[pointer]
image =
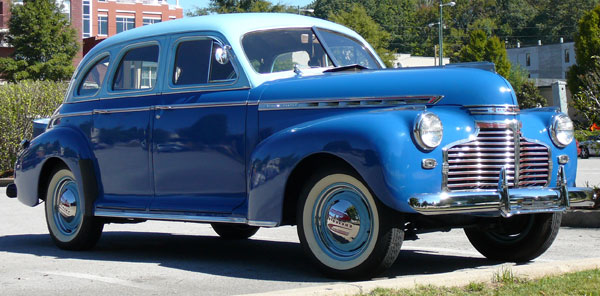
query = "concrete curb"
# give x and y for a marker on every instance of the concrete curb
(450, 279)
(5, 181)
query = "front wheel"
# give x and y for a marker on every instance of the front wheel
(343, 229)
(517, 239)
(71, 228)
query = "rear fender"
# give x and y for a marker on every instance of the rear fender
(65, 145)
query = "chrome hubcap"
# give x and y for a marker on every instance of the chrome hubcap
(67, 215)
(342, 221)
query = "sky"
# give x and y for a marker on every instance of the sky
(190, 4)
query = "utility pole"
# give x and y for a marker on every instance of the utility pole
(441, 23)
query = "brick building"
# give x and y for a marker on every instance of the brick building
(96, 20)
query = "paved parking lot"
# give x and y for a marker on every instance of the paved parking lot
(157, 258)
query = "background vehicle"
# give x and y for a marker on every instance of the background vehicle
(590, 147)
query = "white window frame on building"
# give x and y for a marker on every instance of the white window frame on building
(86, 22)
(151, 20)
(102, 24)
(125, 22)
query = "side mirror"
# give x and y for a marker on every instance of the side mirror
(222, 54)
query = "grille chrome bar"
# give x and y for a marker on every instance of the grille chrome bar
(477, 164)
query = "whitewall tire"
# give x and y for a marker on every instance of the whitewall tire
(344, 229)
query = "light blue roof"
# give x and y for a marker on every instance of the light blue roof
(233, 27)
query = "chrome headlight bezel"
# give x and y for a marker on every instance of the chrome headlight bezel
(562, 130)
(427, 123)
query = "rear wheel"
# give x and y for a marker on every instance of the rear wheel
(234, 231)
(518, 239)
(343, 229)
(70, 227)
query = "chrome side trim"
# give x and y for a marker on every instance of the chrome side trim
(348, 102)
(122, 110)
(200, 105)
(493, 109)
(179, 217)
(84, 113)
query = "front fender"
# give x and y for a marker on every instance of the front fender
(378, 144)
(63, 143)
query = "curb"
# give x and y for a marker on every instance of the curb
(451, 279)
(581, 218)
(5, 181)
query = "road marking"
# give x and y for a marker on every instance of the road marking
(99, 279)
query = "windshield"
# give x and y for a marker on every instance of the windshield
(281, 49)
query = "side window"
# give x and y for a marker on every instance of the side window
(195, 63)
(137, 69)
(192, 62)
(93, 78)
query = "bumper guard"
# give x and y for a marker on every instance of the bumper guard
(506, 201)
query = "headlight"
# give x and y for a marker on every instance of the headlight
(561, 130)
(428, 130)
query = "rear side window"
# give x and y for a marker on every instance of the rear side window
(195, 63)
(93, 78)
(137, 69)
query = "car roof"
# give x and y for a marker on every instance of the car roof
(232, 27)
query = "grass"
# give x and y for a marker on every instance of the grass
(506, 283)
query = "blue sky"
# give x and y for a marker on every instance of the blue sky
(190, 4)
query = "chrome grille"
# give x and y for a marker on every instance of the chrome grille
(534, 164)
(476, 165)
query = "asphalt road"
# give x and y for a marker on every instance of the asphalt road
(158, 258)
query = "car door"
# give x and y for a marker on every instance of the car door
(199, 130)
(122, 128)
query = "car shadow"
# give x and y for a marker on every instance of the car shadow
(249, 259)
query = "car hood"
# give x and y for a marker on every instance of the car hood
(455, 86)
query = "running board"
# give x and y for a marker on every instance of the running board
(110, 213)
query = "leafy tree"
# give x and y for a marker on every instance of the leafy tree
(587, 45)
(44, 43)
(358, 20)
(482, 48)
(240, 6)
(587, 99)
(529, 96)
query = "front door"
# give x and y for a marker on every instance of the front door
(199, 132)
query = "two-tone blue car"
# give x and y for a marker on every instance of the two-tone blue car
(262, 120)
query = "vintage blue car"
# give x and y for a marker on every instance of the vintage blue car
(262, 120)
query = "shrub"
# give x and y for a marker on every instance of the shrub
(20, 104)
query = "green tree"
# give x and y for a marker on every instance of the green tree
(483, 48)
(358, 20)
(587, 45)
(43, 40)
(587, 99)
(240, 6)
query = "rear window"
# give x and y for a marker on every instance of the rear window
(93, 78)
(137, 69)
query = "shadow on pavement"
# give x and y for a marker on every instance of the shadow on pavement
(250, 259)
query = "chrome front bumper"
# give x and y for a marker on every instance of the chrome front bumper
(505, 201)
